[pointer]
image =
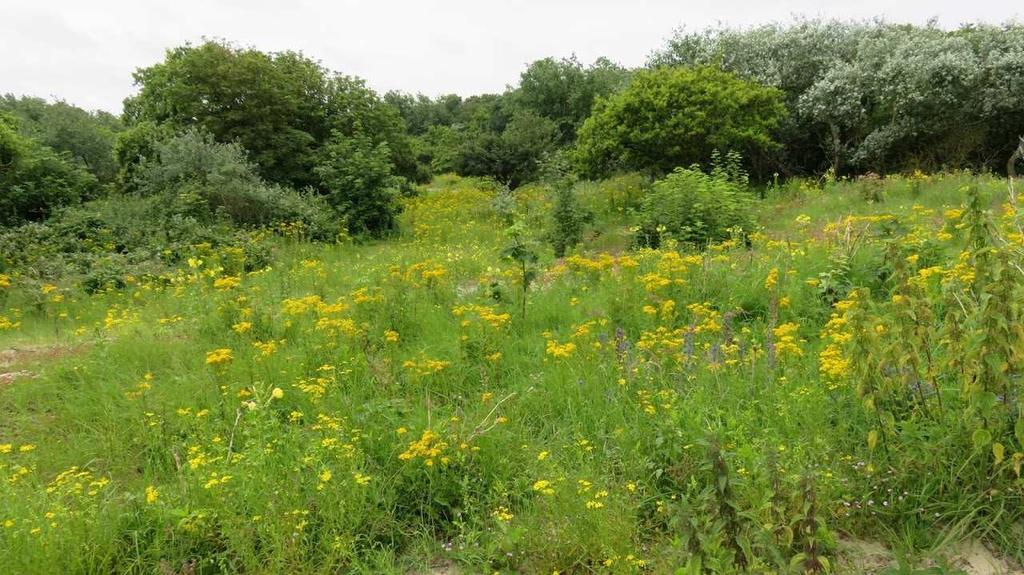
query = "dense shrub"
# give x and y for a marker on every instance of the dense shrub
(134, 147)
(356, 175)
(100, 243)
(874, 95)
(512, 155)
(35, 180)
(281, 107)
(204, 180)
(86, 137)
(670, 117)
(693, 207)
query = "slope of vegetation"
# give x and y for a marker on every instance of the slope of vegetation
(854, 370)
(707, 316)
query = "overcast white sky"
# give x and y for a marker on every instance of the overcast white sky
(85, 51)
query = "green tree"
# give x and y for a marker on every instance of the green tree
(270, 104)
(198, 178)
(564, 91)
(671, 117)
(874, 95)
(512, 155)
(282, 108)
(355, 111)
(422, 113)
(34, 179)
(87, 137)
(358, 177)
(133, 148)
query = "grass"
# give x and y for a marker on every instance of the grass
(385, 407)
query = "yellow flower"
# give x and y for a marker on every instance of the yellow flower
(219, 356)
(502, 514)
(325, 476)
(555, 349)
(787, 344)
(227, 283)
(543, 486)
(542, 456)
(391, 336)
(242, 327)
(425, 366)
(427, 447)
(152, 494)
(277, 393)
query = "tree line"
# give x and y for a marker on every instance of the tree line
(220, 130)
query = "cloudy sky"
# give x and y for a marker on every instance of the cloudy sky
(85, 52)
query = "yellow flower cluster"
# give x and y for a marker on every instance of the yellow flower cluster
(786, 343)
(219, 356)
(487, 313)
(833, 363)
(423, 366)
(560, 350)
(429, 447)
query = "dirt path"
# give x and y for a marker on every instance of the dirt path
(23, 362)
(972, 557)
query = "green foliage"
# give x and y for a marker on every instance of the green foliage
(355, 111)
(357, 177)
(520, 249)
(693, 207)
(877, 96)
(421, 113)
(34, 179)
(503, 136)
(511, 156)
(280, 107)
(87, 137)
(134, 147)
(568, 216)
(106, 243)
(200, 179)
(564, 92)
(671, 117)
(270, 104)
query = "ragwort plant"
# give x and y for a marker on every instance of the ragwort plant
(387, 408)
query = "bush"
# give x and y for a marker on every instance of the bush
(693, 207)
(133, 148)
(35, 180)
(87, 138)
(206, 181)
(672, 117)
(616, 196)
(512, 156)
(357, 175)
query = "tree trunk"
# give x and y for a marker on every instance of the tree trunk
(1011, 168)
